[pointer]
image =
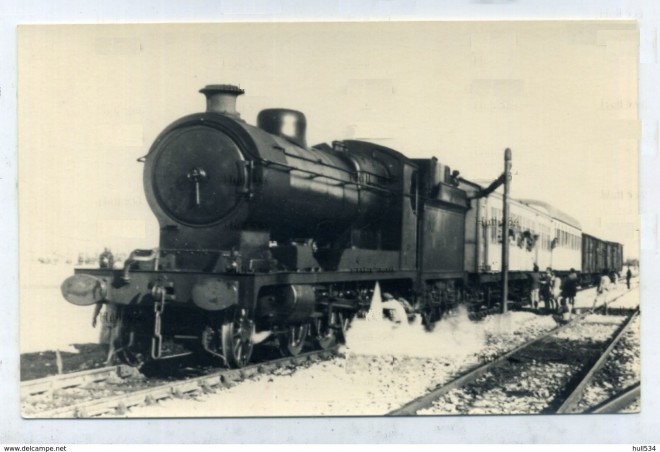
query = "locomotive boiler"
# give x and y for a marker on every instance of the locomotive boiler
(263, 236)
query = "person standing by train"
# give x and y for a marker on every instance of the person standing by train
(109, 327)
(545, 291)
(569, 289)
(106, 259)
(628, 277)
(614, 278)
(602, 290)
(535, 276)
(555, 292)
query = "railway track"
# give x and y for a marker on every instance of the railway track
(45, 386)
(119, 404)
(570, 405)
(426, 401)
(619, 401)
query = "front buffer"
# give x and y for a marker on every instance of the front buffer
(158, 312)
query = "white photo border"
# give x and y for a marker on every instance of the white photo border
(637, 429)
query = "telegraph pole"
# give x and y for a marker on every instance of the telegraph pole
(504, 179)
(505, 229)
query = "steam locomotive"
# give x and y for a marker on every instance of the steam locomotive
(263, 236)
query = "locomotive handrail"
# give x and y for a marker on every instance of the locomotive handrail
(355, 174)
(154, 255)
(149, 257)
(134, 258)
(290, 168)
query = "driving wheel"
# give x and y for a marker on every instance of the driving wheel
(237, 343)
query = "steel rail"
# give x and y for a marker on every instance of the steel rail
(46, 385)
(426, 401)
(570, 404)
(619, 401)
(118, 404)
(42, 386)
(70, 380)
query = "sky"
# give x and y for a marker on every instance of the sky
(562, 95)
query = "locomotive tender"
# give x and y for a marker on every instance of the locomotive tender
(260, 233)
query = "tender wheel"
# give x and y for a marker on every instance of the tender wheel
(293, 341)
(325, 335)
(237, 342)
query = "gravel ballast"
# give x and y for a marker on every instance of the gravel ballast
(621, 370)
(535, 381)
(381, 368)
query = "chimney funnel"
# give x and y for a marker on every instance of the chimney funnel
(222, 98)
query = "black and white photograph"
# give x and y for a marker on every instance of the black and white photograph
(313, 219)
